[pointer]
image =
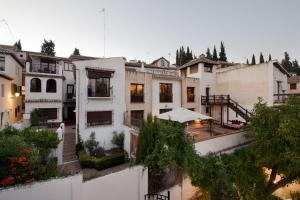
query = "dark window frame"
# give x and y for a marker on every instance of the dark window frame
(93, 119)
(136, 97)
(208, 68)
(38, 85)
(166, 96)
(70, 95)
(106, 83)
(2, 63)
(136, 117)
(164, 110)
(190, 96)
(293, 86)
(51, 88)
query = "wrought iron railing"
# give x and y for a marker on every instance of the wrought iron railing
(137, 98)
(49, 68)
(157, 196)
(165, 98)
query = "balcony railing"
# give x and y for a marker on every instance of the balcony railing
(282, 98)
(49, 68)
(107, 92)
(166, 98)
(137, 98)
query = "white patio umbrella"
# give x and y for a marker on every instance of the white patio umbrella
(183, 115)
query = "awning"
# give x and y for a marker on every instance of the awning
(183, 115)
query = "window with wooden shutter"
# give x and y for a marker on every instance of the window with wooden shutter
(99, 118)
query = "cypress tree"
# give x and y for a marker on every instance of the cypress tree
(270, 58)
(261, 58)
(18, 45)
(208, 54)
(215, 54)
(247, 62)
(286, 63)
(222, 53)
(177, 57)
(253, 62)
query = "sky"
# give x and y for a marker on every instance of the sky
(148, 29)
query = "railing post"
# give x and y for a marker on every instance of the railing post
(228, 98)
(168, 195)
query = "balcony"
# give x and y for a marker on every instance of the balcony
(165, 98)
(191, 98)
(99, 92)
(137, 98)
(47, 68)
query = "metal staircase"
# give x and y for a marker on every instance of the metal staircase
(226, 100)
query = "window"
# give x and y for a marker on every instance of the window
(162, 62)
(68, 66)
(2, 63)
(191, 109)
(18, 109)
(99, 82)
(2, 90)
(190, 94)
(16, 112)
(208, 67)
(47, 66)
(1, 119)
(35, 85)
(51, 86)
(194, 69)
(49, 113)
(164, 110)
(70, 91)
(137, 117)
(293, 86)
(136, 93)
(207, 110)
(14, 89)
(98, 118)
(165, 92)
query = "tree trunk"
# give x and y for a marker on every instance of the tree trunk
(272, 178)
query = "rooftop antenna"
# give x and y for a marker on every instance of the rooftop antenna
(104, 27)
(10, 32)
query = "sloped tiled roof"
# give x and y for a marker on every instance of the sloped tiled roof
(9, 52)
(77, 57)
(294, 79)
(201, 59)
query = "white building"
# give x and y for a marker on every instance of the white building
(10, 88)
(229, 91)
(100, 98)
(43, 86)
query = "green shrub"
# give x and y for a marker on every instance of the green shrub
(91, 144)
(118, 139)
(99, 152)
(37, 117)
(79, 145)
(87, 161)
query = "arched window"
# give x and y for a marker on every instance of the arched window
(35, 85)
(51, 86)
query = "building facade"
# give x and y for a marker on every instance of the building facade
(10, 88)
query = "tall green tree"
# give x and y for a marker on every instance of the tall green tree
(76, 52)
(48, 47)
(215, 54)
(253, 62)
(18, 45)
(270, 58)
(183, 56)
(222, 53)
(261, 58)
(286, 62)
(275, 131)
(208, 54)
(247, 62)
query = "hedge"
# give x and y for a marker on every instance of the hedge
(87, 161)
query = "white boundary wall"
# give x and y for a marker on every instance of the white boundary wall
(220, 143)
(130, 183)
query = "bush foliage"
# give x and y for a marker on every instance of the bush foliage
(24, 155)
(87, 161)
(118, 139)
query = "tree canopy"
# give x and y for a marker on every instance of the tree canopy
(253, 62)
(290, 66)
(18, 45)
(261, 58)
(222, 53)
(48, 47)
(76, 52)
(215, 54)
(208, 54)
(183, 56)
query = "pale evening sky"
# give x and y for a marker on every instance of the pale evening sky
(146, 30)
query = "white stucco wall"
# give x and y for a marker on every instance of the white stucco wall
(220, 143)
(130, 183)
(176, 90)
(116, 104)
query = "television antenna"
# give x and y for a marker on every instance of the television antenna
(3, 21)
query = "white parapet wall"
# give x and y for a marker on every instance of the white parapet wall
(225, 143)
(130, 183)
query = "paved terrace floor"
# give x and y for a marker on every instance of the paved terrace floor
(203, 132)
